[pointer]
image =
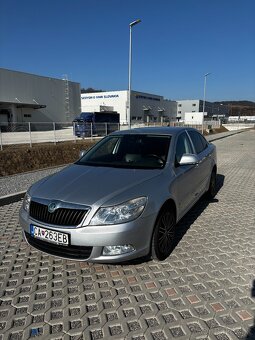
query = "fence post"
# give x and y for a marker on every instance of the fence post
(30, 137)
(54, 132)
(1, 141)
(74, 132)
(106, 132)
(91, 131)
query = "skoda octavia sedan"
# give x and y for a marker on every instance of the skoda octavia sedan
(122, 199)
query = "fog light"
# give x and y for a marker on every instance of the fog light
(117, 250)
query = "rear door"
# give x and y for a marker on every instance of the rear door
(203, 152)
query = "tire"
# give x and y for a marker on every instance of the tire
(164, 234)
(212, 186)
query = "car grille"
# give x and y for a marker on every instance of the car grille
(69, 252)
(61, 216)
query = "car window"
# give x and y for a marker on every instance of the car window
(198, 141)
(129, 151)
(106, 148)
(204, 141)
(182, 146)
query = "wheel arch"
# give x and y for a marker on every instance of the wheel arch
(169, 203)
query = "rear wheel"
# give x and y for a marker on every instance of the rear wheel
(163, 235)
(213, 185)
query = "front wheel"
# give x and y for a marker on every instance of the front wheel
(163, 235)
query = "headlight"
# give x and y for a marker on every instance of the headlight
(121, 213)
(26, 202)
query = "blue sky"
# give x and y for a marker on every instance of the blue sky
(177, 42)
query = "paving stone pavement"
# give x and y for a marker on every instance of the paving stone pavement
(204, 290)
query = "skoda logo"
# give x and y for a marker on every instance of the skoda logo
(52, 207)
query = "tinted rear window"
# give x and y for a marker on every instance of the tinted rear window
(198, 141)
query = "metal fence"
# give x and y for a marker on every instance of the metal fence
(30, 133)
(207, 124)
(16, 134)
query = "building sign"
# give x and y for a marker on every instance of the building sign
(101, 96)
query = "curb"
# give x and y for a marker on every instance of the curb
(229, 135)
(12, 198)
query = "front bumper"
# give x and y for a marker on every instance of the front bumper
(87, 243)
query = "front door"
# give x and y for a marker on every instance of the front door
(184, 186)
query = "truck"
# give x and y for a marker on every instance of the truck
(96, 123)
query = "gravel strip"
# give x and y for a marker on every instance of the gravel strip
(21, 182)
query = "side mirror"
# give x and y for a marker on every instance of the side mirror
(189, 159)
(82, 153)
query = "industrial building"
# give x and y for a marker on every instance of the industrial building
(145, 107)
(32, 98)
(27, 97)
(212, 110)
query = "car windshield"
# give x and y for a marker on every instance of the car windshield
(137, 151)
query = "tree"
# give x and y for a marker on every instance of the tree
(89, 90)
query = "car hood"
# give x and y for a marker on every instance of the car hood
(90, 185)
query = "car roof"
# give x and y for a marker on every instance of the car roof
(171, 131)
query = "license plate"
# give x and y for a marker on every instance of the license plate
(48, 235)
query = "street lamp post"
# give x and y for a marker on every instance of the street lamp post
(205, 76)
(130, 69)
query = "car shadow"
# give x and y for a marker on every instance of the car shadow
(185, 223)
(251, 334)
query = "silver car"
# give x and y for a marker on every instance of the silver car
(122, 199)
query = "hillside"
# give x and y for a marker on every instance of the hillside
(240, 107)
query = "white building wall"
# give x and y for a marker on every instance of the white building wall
(241, 118)
(94, 102)
(144, 107)
(195, 118)
(187, 106)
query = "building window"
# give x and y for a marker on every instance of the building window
(193, 111)
(179, 112)
(27, 115)
(194, 104)
(179, 105)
